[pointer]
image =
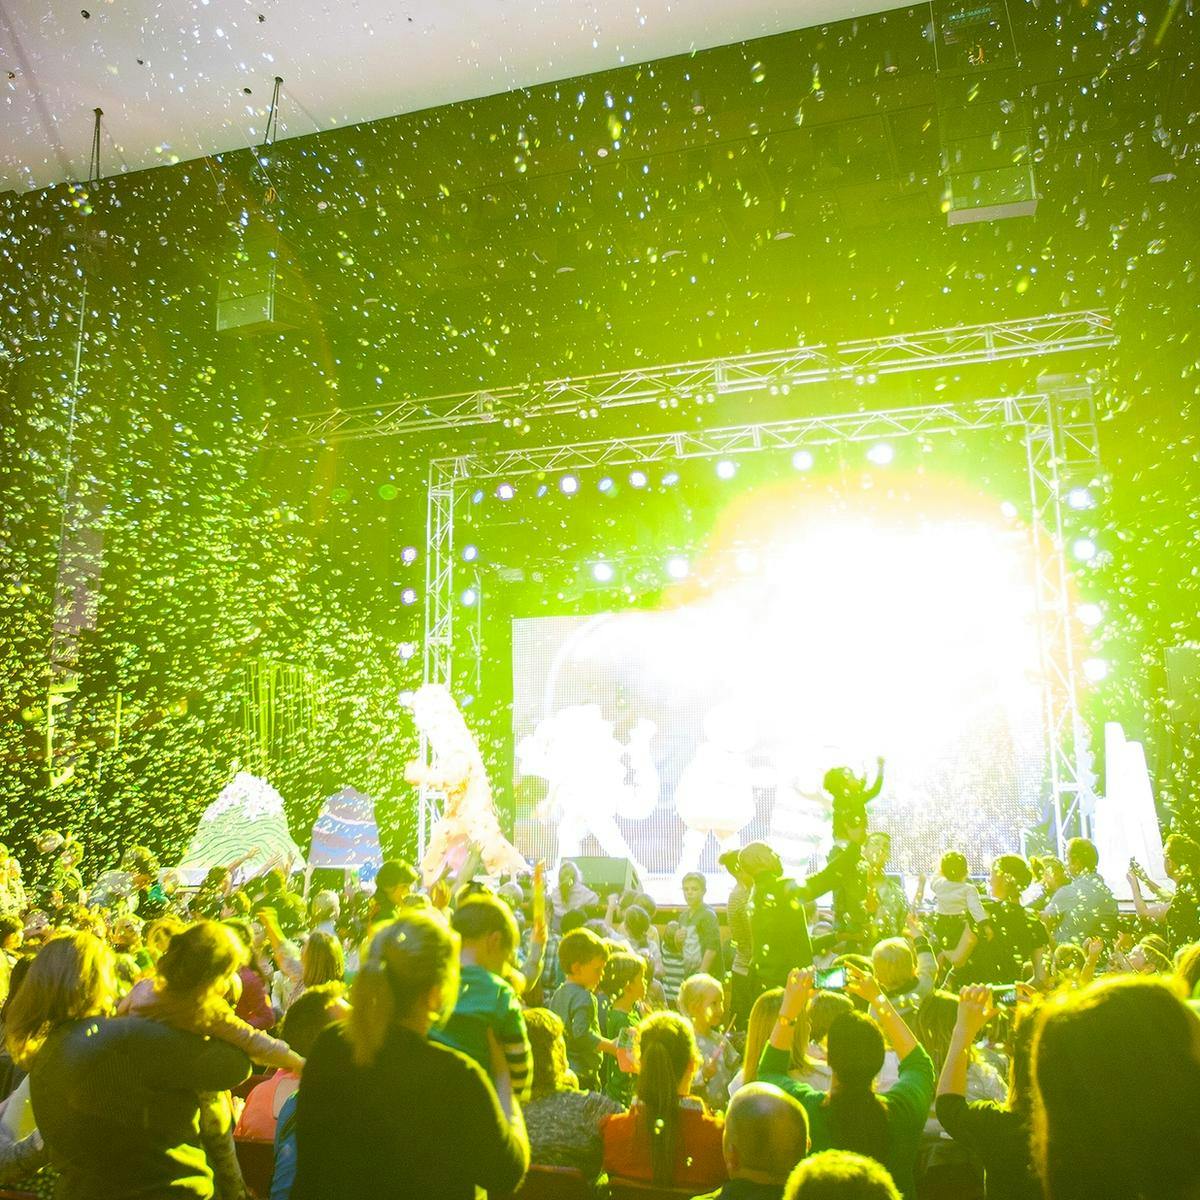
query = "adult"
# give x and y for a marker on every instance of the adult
(806, 1060)
(1011, 936)
(572, 892)
(886, 905)
(384, 1112)
(117, 1099)
(393, 881)
(668, 1137)
(779, 922)
(1129, 1039)
(766, 1135)
(998, 1134)
(702, 930)
(741, 940)
(562, 1119)
(840, 1175)
(851, 1116)
(1178, 910)
(1084, 908)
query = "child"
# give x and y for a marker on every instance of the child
(624, 985)
(582, 957)
(673, 939)
(702, 1001)
(196, 972)
(955, 898)
(485, 1001)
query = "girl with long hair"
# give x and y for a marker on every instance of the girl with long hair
(380, 1103)
(668, 1136)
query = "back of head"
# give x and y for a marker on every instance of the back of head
(1016, 869)
(1184, 852)
(620, 971)
(394, 873)
(72, 976)
(953, 866)
(637, 922)
(696, 993)
(666, 1053)
(894, 964)
(757, 859)
(758, 1030)
(935, 1021)
(1082, 855)
(407, 959)
(1187, 967)
(839, 1175)
(322, 960)
(766, 1131)
(857, 1117)
(1116, 1072)
(825, 1008)
(482, 915)
(308, 1015)
(200, 957)
(549, 1048)
(325, 906)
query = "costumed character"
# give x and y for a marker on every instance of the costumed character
(346, 837)
(1125, 821)
(468, 819)
(593, 778)
(715, 792)
(244, 827)
(850, 794)
(801, 817)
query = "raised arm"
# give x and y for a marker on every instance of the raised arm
(895, 1029)
(975, 1010)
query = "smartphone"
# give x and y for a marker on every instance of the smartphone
(833, 980)
(1005, 995)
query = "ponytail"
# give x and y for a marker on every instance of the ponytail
(667, 1049)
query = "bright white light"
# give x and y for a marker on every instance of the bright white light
(569, 485)
(881, 454)
(406, 650)
(606, 484)
(477, 498)
(408, 596)
(802, 460)
(1008, 509)
(746, 561)
(470, 553)
(726, 469)
(1095, 669)
(1090, 615)
(506, 491)
(638, 479)
(1079, 498)
(677, 567)
(1084, 549)
(670, 479)
(602, 572)
(542, 490)
(470, 596)
(408, 555)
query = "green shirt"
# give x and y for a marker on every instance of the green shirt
(486, 1002)
(907, 1102)
(580, 1015)
(617, 1083)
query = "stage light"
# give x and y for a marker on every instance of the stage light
(470, 553)
(605, 484)
(1095, 669)
(406, 650)
(1080, 498)
(408, 596)
(505, 491)
(477, 498)
(638, 479)
(408, 555)
(388, 491)
(470, 596)
(542, 490)
(746, 561)
(1084, 549)
(726, 469)
(803, 460)
(677, 567)
(602, 572)
(670, 479)
(1090, 615)
(568, 485)
(1008, 509)
(881, 454)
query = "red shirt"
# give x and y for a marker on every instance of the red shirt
(259, 1116)
(254, 1007)
(699, 1160)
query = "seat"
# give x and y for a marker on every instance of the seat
(257, 1159)
(10, 1194)
(248, 1085)
(554, 1183)
(639, 1189)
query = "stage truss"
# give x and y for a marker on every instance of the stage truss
(1056, 423)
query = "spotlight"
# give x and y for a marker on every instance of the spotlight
(1090, 615)
(542, 490)
(726, 469)
(1095, 669)
(408, 596)
(881, 454)
(408, 555)
(505, 491)
(638, 479)
(470, 596)
(406, 650)
(470, 553)
(1008, 509)
(677, 567)
(803, 460)
(477, 498)
(746, 561)
(606, 484)
(1079, 498)
(388, 491)
(1084, 549)
(602, 572)
(670, 479)
(568, 485)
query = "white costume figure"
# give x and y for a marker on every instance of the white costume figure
(1125, 823)
(587, 768)
(457, 772)
(802, 816)
(715, 792)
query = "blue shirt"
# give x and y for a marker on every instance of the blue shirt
(1085, 906)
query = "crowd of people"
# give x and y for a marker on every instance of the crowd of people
(1018, 1038)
